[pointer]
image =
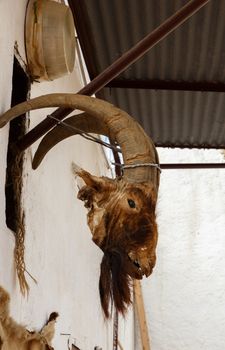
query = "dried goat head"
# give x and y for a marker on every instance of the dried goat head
(121, 212)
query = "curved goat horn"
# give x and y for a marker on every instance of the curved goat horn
(83, 122)
(136, 146)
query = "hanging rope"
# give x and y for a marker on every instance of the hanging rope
(20, 226)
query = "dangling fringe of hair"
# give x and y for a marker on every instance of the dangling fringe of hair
(114, 283)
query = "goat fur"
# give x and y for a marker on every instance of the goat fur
(126, 234)
(14, 336)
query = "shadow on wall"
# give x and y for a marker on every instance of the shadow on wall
(14, 171)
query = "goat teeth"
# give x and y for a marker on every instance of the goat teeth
(136, 263)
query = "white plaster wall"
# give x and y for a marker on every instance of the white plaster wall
(185, 296)
(59, 251)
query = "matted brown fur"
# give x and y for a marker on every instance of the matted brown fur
(123, 223)
(13, 336)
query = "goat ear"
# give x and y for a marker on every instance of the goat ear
(75, 169)
(48, 330)
(89, 180)
(95, 182)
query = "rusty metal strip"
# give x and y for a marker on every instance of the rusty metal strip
(193, 166)
(117, 67)
(156, 84)
(202, 145)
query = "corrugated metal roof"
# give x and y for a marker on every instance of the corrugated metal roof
(194, 53)
(176, 118)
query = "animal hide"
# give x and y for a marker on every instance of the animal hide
(13, 336)
(122, 219)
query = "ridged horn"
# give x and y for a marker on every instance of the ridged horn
(83, 122)
(136, 146)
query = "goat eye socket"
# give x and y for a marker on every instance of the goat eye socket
(131, 203)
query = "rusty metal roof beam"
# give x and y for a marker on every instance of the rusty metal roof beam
(171, 166)
(183, 145)
(116, 68)
(156, 84)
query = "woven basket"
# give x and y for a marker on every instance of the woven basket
(49, 39)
